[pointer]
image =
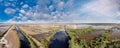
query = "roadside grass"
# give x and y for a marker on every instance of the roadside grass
(32, 44)
(38, 44)
(18, 38)
(46, 41)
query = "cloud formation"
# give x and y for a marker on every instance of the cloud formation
(9, 11)
(99, 11)
(64, 11)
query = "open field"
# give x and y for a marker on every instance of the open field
(67, 35)
(40, 33)
(94, 36)
(39, 28)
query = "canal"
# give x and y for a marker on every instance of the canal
(59, 40)
(24, 43)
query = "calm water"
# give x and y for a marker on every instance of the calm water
(60, 40)
(23, 40)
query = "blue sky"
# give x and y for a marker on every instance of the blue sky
(60, 11)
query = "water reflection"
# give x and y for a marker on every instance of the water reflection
(60, 40)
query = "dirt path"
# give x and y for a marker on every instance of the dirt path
(12, 38)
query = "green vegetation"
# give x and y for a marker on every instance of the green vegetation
(37, 43)
(113, 44)
(102, 40)
(77, 32)
(74, 35)
(45, 40)
(32, 44)
(99, 42)
(17, 36)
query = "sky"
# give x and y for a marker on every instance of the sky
(60, 11)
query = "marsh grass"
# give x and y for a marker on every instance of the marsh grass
(99, 42)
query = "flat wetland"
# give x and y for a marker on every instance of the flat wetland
(86, 35)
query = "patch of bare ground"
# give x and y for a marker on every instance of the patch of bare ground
(3, 30)
(27, 30)
(91, 36)
(0, 45)
(38, 34)
(114, 36)
(37, 29)
(13, 39)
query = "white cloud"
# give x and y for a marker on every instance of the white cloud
(93, 11)
(25, 6)
(45, 16)
(20, 14)
(36, 15)
(98, 11)
(9, 3)
(22, 11)
(29, 13)
(69, 4)
(10, 21)
(9, 11)
(118, 14)
(18, 17)
(55, 17)
(61, 5)
(101, 7)
(51, 7)
(24, 18)
(29, 21)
